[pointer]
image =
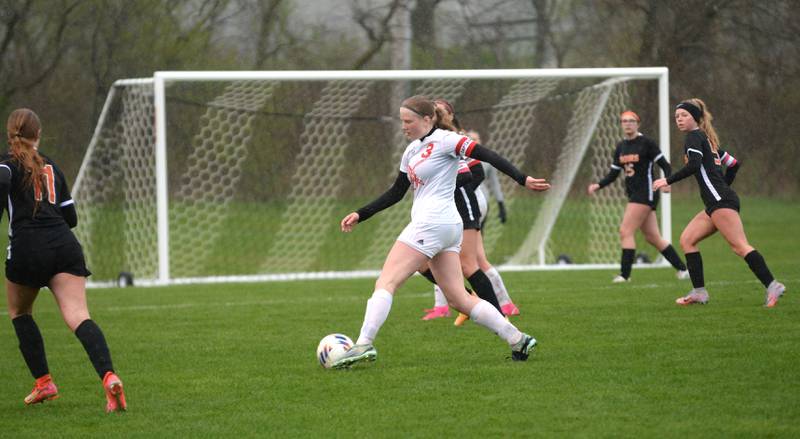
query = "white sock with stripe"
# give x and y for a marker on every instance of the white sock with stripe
(498, 285)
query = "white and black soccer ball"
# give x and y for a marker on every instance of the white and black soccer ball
(331, 348)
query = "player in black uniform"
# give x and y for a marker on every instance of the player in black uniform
(43, 252)
(703, 160)
(635, 155)
(466, 202)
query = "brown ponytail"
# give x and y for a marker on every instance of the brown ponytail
(705, 123)
(23, 135)
(423, 106)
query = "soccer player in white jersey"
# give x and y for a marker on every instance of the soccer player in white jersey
(430, 164)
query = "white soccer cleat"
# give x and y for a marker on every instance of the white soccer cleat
(619, 279)
(356, 354)
(694, 297)
(774, 292)
(682, 274)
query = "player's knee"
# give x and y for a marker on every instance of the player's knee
(687, 242)
(653, 239)
(469, 269)
(741, 249)
(74, 319)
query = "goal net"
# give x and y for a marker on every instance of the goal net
(237, 176)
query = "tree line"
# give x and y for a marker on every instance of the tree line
(60, 57)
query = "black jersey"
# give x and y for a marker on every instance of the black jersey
(706, 166)
(28, 210)
(635, 157)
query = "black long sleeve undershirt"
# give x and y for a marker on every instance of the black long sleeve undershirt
(664, 165)
(609, 178)
(501, 164)
(691, 168)
(70, 215)
(392, 195)
(730, 174)
(478, 175)
(463, 179)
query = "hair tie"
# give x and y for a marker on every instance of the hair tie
(693, 109)
(631, 114)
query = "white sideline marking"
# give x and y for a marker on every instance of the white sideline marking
(335, 298)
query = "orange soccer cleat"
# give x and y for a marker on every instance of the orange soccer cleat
(43, 390)
(115, 395)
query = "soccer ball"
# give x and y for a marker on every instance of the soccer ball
(331, 348)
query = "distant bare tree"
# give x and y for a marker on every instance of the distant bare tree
(33, 41)
(375, 22)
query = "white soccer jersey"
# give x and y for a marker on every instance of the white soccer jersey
(432, 164)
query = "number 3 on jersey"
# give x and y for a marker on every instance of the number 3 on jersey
(428, 151)
(49, 178)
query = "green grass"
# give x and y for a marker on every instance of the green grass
(613, 361)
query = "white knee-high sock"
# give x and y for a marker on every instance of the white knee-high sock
(438, 297)
(489, 317)
(378, 307)
(499, 286)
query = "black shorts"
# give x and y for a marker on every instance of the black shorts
(34, 261)
(467, 205)
(653, 204)
(643, 198)
(722, 204)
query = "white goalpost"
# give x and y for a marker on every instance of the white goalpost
(240, 176)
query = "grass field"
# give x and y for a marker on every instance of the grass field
(613, 360)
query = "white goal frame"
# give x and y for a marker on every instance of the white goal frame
(161, 78)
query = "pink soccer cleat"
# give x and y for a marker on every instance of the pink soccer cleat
(509, 309)
(437, 312)
(43, 390)
(115, 396)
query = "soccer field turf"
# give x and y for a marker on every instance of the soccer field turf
(613, 359)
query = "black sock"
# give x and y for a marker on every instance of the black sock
(92, 339)
(628, 254)
(759, 267)
(671, 255)
(428, 275)
(483, 287)
(695, 264)
(31, 345)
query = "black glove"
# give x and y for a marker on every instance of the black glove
(502, 214)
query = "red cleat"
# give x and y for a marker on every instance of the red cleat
(115, 396)
(43, 390)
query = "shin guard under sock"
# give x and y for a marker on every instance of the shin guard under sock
(483, 287)
(695, 265)
(671, 255)
(94, 343)
(759, 267)
(628, 254)
(31, 345)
